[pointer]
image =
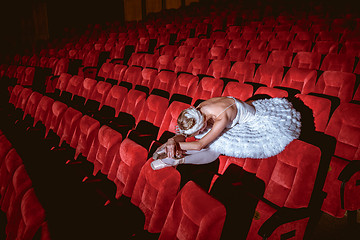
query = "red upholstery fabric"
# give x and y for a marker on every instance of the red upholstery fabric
(74, 85)
(28, 76)
(148, 76)
(284, 35)
(181, 64)
(169, 50)
(11, 162)
(276, 44)
(184, 51)
(344, 126)
(132, 75)
(242, 71)
(199, 52)
(21, 182)
(192, 42)
(219, 68)
(328, 36)
(106, 70)
(272, 92)
(15, 93)
(87, 88)
(248, 35)
(57, 112)
(300, 46)
(284, 176)
(5, 147)
(281, 58)
(43, 110)
(338, 84)
(149, 60)
(198, 66)
(118, 72)
(239, 44)
(270, 75)
(235, 54)
(126, 167)
(62, 82)
(68, 124)
(300, 79)
(165, 62)
(164, 80)
(143, 45)
(325, 47)
(23, 98)
(115, 98)
(194, 215)
(154, 193)
(206, 42)
(185, 84)
(256, 44)
(307, 60)
(320, 108)
(338, 62)
(33, 216)
(216, 53)
(84, 136)
(133, 103)
(240, 91)
(257, 56)
(351, 48)
(104, 149)
(154, 109)
(208, 88)
(100, 92)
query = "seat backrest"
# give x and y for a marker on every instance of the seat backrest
(15, 93)
(165, 80)
(118, 72)
(115, 98)
(257, 56)
(84, 135)
(105, 70)
(238, 90)
(184, 51)
(165, 62)
(132, 75)
(337, 84)
(344, 125)
(307, 60)
(154, 109)
(300, 46)
(270, 75)
(63, 81)
(219, 68)
(68, 124)
(133, 103)
(281, 58)
(300, 79)
(320, 109)
(23, 98)
(74, 85)
(87, 88)
(185, 84)
(100, 92)
(33, 215)
(148, 76)
(198, 66)
(272, 92)
(208, 87)
(242, 71)
(216, 53)
(181, 64)
(43, 110)
(163, 186)
(57, 112)
(195, 214)
(325, 47)
(338, 62)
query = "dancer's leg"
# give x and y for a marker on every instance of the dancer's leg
(203, 156)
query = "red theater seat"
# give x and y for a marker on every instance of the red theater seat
(195, 214)
(341, 182)
(269, 75)
(208, 88)
(280, 57)
(307, 60)
(325, 47)
(198, 66)
(219, 68)
(257, 56)
(181, 64)
(242, 71)
(238, 90)
(338, 62)
(302, 80)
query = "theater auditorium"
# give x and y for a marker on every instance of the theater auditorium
(90, 90)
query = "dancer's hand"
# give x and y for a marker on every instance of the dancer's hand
(170, 148)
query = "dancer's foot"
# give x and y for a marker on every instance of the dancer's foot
(166, 162)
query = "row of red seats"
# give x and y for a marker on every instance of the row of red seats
(123, 159)
(25, 214)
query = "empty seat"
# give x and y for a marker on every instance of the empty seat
(269, 75)
(185, 84)
(238, 90)
(216, 53)
(300, 46)
(276, 44)
(165, 62)
(338, 62)
(256, 44)
(208, 87)
(198, 66)
(132, 75)
(105, 71)
(196, 213)
(302, 80)
(199, 52)
(68, 124)
(184, 51)
(351, 48)
(219, 68)
(242, 71)
(328, 36)
(238, 43)
(181, 64)
(136, 59)
(257, 56)
(337, 84)
(148, 76)
(307, 60)
(320, 109)
(272, 92)
(168, 50)
(341, 181)
(280, 57)
(117, 74)
(149, 60)
(234, 55)
(325, 47)
(164, 80)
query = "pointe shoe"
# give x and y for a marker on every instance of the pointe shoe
(159, 164)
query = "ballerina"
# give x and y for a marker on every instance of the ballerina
(225, 125)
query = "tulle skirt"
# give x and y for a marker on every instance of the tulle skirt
(274, 125)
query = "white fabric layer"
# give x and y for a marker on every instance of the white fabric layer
(262, 133)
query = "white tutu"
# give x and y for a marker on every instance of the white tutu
(264, 134)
